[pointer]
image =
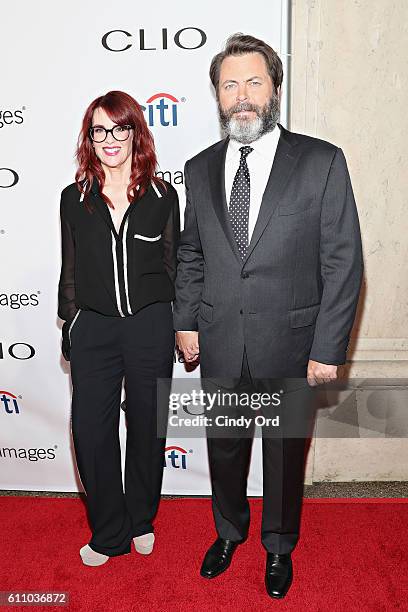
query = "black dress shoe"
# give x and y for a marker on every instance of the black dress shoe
(218, 558)
(278, 575)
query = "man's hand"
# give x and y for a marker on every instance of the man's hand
(319, 373)
(187, 341)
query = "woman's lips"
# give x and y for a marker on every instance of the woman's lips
(111, 150)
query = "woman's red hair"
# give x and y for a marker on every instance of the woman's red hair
(123, 110)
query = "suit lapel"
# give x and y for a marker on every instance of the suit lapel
(216, 172)
(285, 160)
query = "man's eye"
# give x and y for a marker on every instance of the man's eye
(229, 85)
(255, 83)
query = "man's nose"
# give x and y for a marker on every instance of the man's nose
(242, 93)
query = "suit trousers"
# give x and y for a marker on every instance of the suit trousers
(104, 351)
(283, 460)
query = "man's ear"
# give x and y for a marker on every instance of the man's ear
(279, 92)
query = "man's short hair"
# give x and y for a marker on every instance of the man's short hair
(240, 44)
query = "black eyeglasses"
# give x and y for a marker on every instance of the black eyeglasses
(119, 132)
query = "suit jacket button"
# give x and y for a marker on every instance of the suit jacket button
(241, 311)
(244, 275)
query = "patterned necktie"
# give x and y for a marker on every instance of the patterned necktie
(239, 202)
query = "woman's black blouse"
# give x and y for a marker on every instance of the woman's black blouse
(117, 273)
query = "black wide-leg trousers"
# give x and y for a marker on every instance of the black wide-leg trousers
(283, 460)
(104, 350)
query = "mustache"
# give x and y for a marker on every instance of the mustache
(244, 106)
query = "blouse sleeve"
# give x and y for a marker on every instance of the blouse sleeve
(171, 237)
(66, 288)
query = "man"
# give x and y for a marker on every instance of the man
(269, 273)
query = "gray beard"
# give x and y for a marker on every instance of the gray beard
(248, 130)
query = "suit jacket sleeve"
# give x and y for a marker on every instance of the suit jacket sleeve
(341, 265)
(190, 270)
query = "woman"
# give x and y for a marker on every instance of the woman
(120, 229)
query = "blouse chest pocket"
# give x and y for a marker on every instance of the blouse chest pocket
(147, 238)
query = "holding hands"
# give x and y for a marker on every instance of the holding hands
(187, 342)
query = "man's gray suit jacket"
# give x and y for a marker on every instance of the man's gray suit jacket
(294, 296)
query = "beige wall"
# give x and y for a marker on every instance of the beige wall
(349, 86)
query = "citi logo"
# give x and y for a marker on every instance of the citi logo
(7, 117)
(175, 457)
(9, 402)
(162, 109)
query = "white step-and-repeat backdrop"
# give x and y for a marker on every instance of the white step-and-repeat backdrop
(56, 57)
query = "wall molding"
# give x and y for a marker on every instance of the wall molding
(378, 349)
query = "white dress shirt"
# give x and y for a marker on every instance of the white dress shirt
(259, 163)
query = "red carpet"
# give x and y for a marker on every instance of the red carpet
(352, 555)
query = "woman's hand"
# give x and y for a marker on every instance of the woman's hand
(66, 345)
